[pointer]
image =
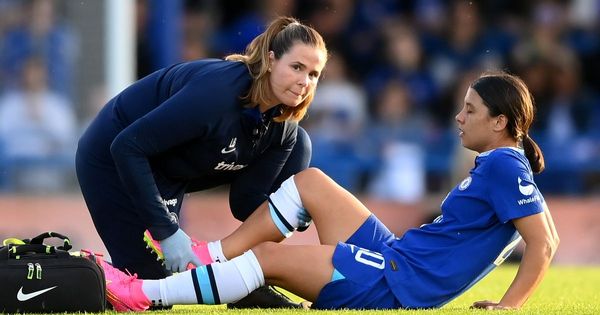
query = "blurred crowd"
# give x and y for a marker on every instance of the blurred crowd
(382, 121)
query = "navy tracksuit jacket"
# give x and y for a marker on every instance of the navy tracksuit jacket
(181, 129)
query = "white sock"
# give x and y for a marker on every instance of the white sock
(217, 283)
(286, 208)
(216, 251)
(175, 289)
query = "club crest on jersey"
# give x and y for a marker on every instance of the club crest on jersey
(465, 183)
(224, 166)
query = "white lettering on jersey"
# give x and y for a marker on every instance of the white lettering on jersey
(170, 202)
(535, 198)
(224, 166)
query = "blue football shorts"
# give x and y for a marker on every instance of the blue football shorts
(358, 281)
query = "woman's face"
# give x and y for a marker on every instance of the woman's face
(294, 76)
(478, 130)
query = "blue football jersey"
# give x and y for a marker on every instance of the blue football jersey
(431, 265)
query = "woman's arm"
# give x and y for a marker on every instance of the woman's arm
(541, 242)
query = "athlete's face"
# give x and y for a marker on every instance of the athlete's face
(294, 76)
(479, 131)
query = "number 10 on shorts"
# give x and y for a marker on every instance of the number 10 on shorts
(370, 258)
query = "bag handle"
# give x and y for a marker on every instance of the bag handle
(40, 240)
(14, 251)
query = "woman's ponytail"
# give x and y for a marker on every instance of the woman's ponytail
(534, 154)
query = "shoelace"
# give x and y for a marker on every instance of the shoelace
(123, 277)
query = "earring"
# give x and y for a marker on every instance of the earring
(269, 69)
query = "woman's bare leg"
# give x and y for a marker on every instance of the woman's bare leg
(336, 213)
(301, 269)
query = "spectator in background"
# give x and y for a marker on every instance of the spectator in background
(41, 34)
(397, 135)
(337, 118)
(339, 109)
(360, 39)
(464, 45)
(566, 115)
(566, 125)
(38, 132)
(10, 14)
(331, 18)
(234, 35)
(198, 25)
(404, 63)
(583, 36)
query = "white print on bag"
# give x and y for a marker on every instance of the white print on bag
(28, 296)
(224, 166)
(229, 148)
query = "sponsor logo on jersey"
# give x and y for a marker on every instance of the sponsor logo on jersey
(224, 166)
(169, 202)
(465, 183)
(531, 199)
(526, 190)
(230, 148)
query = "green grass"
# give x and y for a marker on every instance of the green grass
(565, 290)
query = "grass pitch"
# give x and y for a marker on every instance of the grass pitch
(565, 290)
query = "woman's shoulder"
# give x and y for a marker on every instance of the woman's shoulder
(500, 159)
(219, 67)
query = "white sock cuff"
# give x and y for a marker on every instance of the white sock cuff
(163, 291)
(216, 251)
(250, 270)
(288, 192)
(286, 200)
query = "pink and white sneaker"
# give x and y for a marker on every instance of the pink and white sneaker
(199, 248)
(124, 292)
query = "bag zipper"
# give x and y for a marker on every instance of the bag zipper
(29, 271)
(38, 271)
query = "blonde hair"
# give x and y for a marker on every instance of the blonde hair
(279, 37)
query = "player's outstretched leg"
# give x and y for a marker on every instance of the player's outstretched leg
(227, 282)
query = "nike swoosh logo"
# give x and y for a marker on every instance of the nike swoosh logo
(231, 147)
(227, 150)
(525, 190)
(28, 296)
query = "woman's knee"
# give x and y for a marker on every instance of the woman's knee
(265, 250)
(309, 177)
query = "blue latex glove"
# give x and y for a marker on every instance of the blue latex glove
(178, 253)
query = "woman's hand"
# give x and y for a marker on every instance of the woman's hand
(489, 305)
(178, 253)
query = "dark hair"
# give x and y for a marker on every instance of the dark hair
(279, 37)
(506, 94)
